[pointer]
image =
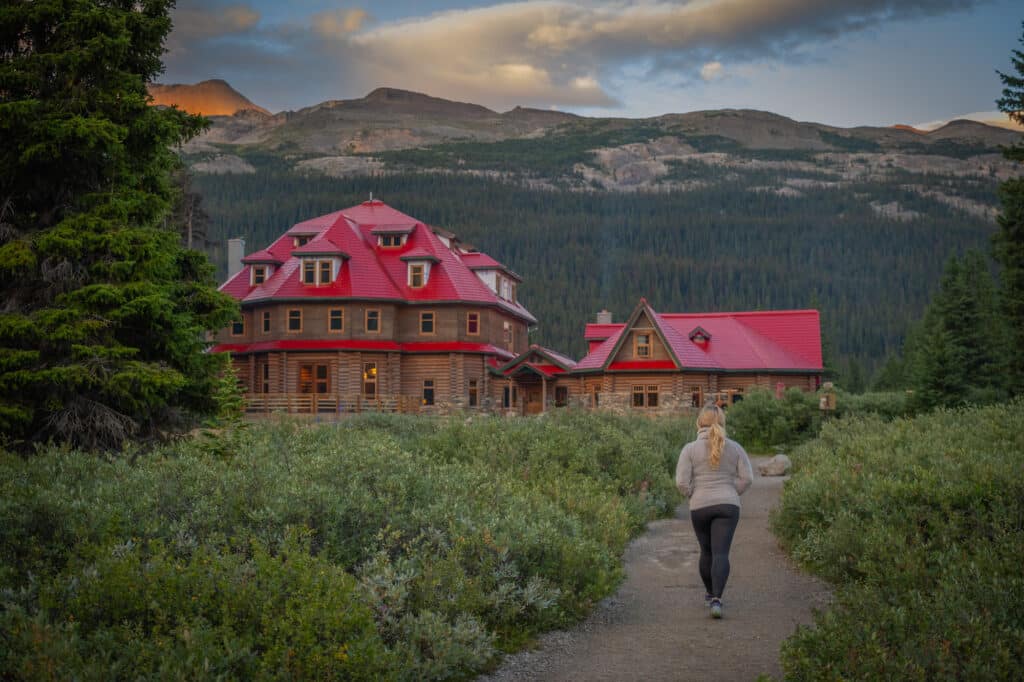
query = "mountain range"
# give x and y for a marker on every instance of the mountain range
(708, 210)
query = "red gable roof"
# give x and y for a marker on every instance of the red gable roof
(481, 261)
(370, 272)
(785, 340)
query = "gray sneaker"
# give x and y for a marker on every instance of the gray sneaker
(716, 608)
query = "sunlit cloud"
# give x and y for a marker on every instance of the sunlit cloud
(545, 53)
(712, 71)
(338, 23)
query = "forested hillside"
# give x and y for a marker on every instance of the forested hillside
(867, 253)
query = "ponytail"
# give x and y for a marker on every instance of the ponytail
(712, 418)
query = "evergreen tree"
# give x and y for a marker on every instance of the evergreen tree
(104, 314)
(1008, 243)
(957, 353)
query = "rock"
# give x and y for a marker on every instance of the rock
(779, 465)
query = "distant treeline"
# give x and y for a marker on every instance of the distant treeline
(719, 248)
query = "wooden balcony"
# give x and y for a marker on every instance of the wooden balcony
(325, 404)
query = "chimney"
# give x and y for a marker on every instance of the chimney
(236, 251)
(604, 317)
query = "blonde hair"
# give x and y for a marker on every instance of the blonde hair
(712, 418)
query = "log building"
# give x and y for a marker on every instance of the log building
(369, 308)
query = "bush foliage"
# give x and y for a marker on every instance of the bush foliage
(382, 547)
(920, 524)
(763, 423)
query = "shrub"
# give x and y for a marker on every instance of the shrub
(919, 525)
(385, 547)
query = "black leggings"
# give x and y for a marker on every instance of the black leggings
(715, 526)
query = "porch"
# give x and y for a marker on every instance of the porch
(323, 403)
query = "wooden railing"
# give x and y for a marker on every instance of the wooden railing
(324, 404)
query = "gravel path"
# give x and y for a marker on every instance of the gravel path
(656, 626)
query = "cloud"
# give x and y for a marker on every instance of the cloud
(992, 118)
(338, 23)
(712, 71)
(201, 22)
(545, 53)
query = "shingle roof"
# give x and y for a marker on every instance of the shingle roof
(786, 340)
(370, 272)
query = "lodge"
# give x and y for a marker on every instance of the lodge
(370, 309)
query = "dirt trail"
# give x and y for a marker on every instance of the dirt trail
(656, 626)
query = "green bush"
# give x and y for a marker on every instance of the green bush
(763, 423)
(384, 547)
(920, 525)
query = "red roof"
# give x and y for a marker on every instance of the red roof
(263, 256)
(371, 272)
(642, 365)
(784, 340)
(561, 363)
(363, 344)
(481, 261)
(320, 246)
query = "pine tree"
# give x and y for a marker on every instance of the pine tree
(104, 314)
(1008, 242)
(956, 355)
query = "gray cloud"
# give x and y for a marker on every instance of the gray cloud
(564, 53)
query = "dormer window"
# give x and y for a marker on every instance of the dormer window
(259, 274)
(317, 272)
(391, 241)
(418, 265)
(700, 336)
(301, 240)
(417, 278)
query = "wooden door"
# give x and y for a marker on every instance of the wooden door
(534, 400)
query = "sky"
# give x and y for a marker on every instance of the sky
(839, 62)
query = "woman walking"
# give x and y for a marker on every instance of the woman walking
(713, 472)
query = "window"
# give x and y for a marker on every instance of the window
(308, 272)
(507, 335)
(561, 396)
(473, 324)
(266, 322)
(643, 346)
(416, 276)
(370, 380)
(427, 323)
(301, 241)
(336, 320)
(428, 391)
(295, 320)
(506, 398)
(266, 377)
(645, 396)
(696, 396)
(473, 393)
(391, 241)
(373, 322)
(259, 274)
(313, 379)
(238, 327)
(326, 271)
(595, 395)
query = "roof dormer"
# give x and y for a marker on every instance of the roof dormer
(321, 262)
(418, 266)
(392, 236)
(699, 335)
(262, 266)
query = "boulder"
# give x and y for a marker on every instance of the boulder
(779, 465)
